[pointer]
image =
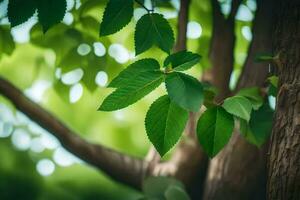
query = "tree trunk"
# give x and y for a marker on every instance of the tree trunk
(239, 171)
(284, 159)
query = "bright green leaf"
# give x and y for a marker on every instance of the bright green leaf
(19, 11)
(253, 94)
(273, 80)
(51, 12)
(273, 88)
(185, 90)
(117, 14)
(176, 193)
(165, 121)
(238, 106)
(259, 127)
(133, 71)
(182, 60)
(153, 29)
(214, 129)
(133, 91)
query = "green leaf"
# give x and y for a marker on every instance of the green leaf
(155, 187)
(253, 94)
(214, 129)
(176, 193)
(133, 71)
(182, 60)
(117, 14)
(185, 90)
(273, 90)
(273, 80)
(238, 106)
(259, 127)
(153, 29)
(19, 11)
(273, 87)
(51, 12)
(165, 121)
(133, 91)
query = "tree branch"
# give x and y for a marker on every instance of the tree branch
(254, 73)
(182, 25)
(123, 168)
(221, 49)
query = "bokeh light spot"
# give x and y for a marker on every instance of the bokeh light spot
(45, 167)
(101, 78)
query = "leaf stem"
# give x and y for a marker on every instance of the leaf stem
(141, 4)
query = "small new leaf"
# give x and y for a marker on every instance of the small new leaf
(273, 87)
(19, 11)
(253, 94)
(133, 91)
(185, 90)
(214, 129)
(133, 71)
(238, 106)
(165, 122)
(273, 80)
(117, 15)
(153, 29)
(51, 12)
(182, 60)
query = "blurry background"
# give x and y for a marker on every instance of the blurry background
(66, 71)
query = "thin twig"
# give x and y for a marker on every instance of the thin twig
(141, 4)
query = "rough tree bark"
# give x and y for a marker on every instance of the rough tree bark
(238, 172)
(284, 159)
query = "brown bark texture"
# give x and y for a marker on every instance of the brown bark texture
(284, 158)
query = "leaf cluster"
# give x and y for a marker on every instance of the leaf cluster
(167, 116)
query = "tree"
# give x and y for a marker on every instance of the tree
(283, 176)
(223, 154)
